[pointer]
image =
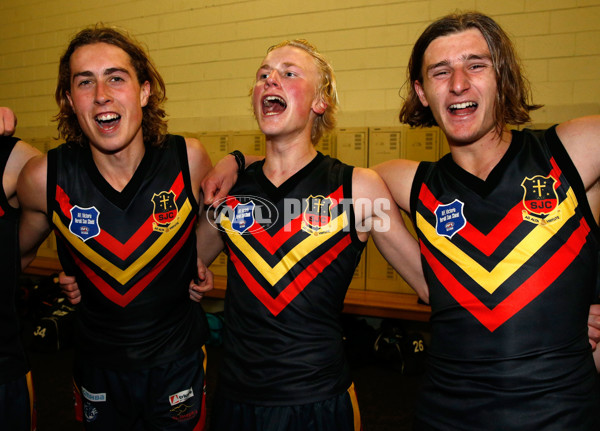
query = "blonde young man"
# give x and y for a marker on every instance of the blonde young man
(123, 199)
(294, 227)
(508, 228)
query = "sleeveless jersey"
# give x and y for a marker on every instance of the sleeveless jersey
(292, 251)
(133, 253)
(13, 361)
(511, 264)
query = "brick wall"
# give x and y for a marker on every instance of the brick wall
(208, 51)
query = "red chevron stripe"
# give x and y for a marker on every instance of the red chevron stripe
(109, 292)
(487, 244)
(277, 304)
(524, 294)
(274, 243)
(121, 250)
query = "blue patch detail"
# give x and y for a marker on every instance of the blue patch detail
(84, 222)
(449, 218)
(243, 217)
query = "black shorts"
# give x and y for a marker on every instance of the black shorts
(169, 397)
(17, 405)
(339, 413)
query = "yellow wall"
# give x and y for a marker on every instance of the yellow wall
(208, 50)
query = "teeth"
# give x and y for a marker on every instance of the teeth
(107, 117)
(271, 99)
(463, 105)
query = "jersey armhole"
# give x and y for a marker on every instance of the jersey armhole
(185, 170)
(51, 181)
(563, 160)
(415, 188)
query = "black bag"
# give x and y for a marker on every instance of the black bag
(402, 350)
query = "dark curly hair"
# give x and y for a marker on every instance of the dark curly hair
(513, 99)
(154, 123)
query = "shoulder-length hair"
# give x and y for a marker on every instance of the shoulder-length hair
(513, 98)
(154, 123)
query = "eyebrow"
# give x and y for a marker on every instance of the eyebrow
(468, 57)
(109, 71)
(267, 67)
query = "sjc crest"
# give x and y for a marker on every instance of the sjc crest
(165, 210)
(317, 214)
(539, 197)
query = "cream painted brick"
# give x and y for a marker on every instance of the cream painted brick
(351, 80)
(441, 8)
(587, 91)
(575, 20)
(549, 46)
(494, 7)
(408, 12)
(587, 43)
(553, 93)
(525, 24)
(536, 70)
(388, 35)
(361, 100)
(574, 68)
(347, 39)
(366, 16)
(548, 5)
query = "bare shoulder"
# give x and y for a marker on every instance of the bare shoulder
(581, 139)
(198, 157)
(31, 185)
(19, 156)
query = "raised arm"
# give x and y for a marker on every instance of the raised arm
(8, 121)
(376, 210)
(31, 190)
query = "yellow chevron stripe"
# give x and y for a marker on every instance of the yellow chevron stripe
(122, 276)
(274, 274)
(491, 280)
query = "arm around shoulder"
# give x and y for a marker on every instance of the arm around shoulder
(398, 175)
(381, 215)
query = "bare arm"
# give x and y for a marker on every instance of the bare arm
(209, 245)
(375, 209)
(34, 226)
(221, 179)
(581, 138)
(19, 156)
(398, 175)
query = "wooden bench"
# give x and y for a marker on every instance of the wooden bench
(362, 302)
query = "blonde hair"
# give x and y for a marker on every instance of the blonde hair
(326, 90)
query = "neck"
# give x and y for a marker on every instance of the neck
(481, 156)
(284, 159)
(118, 168)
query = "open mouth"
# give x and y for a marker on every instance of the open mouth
(462, 108)
(107, 120)
(273, 105)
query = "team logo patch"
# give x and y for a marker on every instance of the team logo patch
(316, 217)
(449, 218)
(539, 199)
(180, 397)
(243, 217)
(84, 222)
(90, 412)
(165, 211)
